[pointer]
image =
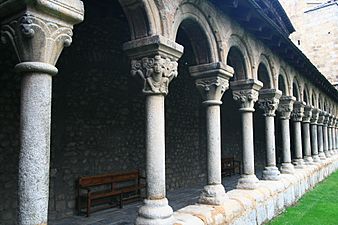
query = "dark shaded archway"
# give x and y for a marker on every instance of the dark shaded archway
(235, 59)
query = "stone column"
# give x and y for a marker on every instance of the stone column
(38, 31)
(330, 128)
(297, 115)
(154, 60)
(285, 108)
(314, 135)
(268, 102)
(336, 136)
(245, 92)
(332, 135)
(306, 135)
(325, 135)
(320, 135)
(212, 80)
(329, 134)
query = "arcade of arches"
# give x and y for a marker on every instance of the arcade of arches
(166, 87)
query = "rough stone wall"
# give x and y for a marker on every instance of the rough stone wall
(9, 135)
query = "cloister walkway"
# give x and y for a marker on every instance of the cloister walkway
(126, 216)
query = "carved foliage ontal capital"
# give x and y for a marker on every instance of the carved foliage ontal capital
(246, 98)
(315, 116)
(36, 38)
(212, 88)
(157, 72)
(269, 100)
(321, 117)
(285, 107)
(326, 119)
(307, 114)
(298, 111)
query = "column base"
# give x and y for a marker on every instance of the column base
(271, 173)
(316, 159)
(322, 156)
(287, 168)
(248, 182)
(298, 163)
(327, 154)
(155, 212)
(213, 195)
(308, 160)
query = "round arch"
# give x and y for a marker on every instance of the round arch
(296, 89)
(306, 95)
(193, 21)
(286, 79)
(235, 42)
(142, 18)
(264, 72)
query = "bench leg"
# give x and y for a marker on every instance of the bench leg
(88, 206)
(121, 201)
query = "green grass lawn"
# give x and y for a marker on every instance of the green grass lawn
(318, 207)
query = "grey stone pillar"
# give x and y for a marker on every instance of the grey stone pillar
(306, 135)
(314, 135)
(212, 80)
(245, 92)
(332, 135)
(154, 60)
(285, 108)
(38, 32)
(268, 102)
(320, 139)
(297, 115)
(329, 134)
(336, 135)
(325, 135)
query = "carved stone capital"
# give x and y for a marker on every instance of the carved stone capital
(212, 80)
(154, 60)
(269, 100)
(315, 116)
(321, 117)
(298, 111)
(285, 107)
(246, 92)
(41, 29)
(330, 123)
(326, 119)
(307, 114)
(156, 72)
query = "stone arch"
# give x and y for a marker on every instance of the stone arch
(265, 72)
(201, 35)
(237, 45)
(320, 101)
(286, 81)
(306, 96)
(314, 99)
(142, 17)
(282, 85)
(296, 89)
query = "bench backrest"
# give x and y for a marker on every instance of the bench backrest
(108, 178)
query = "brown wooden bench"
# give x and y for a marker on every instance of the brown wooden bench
(229, 166)
(109, 190)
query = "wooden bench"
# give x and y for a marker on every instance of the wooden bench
(109, 190)
(229, 166)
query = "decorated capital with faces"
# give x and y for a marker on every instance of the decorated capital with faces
(156, 72)
(315, 116)
(307, 114)
(298, 111)
(285, 107)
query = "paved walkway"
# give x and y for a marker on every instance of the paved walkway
(126, 216)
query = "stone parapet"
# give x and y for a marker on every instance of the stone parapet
(258, 206)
